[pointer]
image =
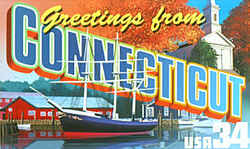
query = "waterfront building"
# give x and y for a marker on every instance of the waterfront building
(37, 107)
(8, 97)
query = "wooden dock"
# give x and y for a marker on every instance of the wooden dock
(35, 122)
(8, 128)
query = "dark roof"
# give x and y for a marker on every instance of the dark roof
(65, 102)
(183, 52)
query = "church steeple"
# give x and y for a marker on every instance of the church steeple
(211, 12)
(211, 2)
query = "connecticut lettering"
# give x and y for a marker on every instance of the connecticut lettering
(173, 82)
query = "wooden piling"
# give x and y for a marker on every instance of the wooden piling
(159, 124)
(160, 119)
(53, 118)
(22, 117)
(171, 120)
(8, 117)
(1, 132)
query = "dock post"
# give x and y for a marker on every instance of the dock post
(6, 129)
(8, 117)
(160, 119)
(1, 130)
(22, 117)
(171, 119)
(12, 119)
(53, 118)
(160, 124)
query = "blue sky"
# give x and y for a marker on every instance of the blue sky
(225, 5)
(8, 74)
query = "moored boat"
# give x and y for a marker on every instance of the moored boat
(82, 122)
(74, 121)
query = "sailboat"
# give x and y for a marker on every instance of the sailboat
(85, 122)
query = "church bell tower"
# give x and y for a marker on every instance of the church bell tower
(211, 12)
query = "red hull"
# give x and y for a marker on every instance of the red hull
(89, 135)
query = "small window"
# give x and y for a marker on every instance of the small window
(179, 113)
(215, 17)
(43, 113)
(31, 112)
(108, 114)
(42, 134)
(1, 100)
(49, 113)
(31, 135)
(6, 100)
(184, 113)
(58, 133)
(10, 109)
(166, 111)
(50, 134)
(150, 112)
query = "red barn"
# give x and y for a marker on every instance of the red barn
(37, 107)
(8, 97)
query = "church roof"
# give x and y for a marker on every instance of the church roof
(218, 38)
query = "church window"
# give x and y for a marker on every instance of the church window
(215, 17)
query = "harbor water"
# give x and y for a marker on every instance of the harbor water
(54, 139)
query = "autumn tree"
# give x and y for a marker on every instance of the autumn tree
(166, 38)
(236, 27)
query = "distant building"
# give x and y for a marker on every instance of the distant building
(151, 111)
(37, 107)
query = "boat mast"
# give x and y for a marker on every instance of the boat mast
(134, 99)
(116, 76)
(86, 75)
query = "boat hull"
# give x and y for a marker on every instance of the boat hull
(81, 123)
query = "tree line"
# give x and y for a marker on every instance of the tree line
(52, 89)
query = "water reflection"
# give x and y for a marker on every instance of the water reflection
(54, 139)
(117, 142)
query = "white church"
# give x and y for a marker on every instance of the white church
(221, 44)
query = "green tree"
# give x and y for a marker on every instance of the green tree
(42, 85)
(2, 86)
(203, 54)
(14, 86)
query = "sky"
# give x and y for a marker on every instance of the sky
(225, 5)
(8, 74)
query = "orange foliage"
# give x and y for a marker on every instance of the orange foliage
(142, 36)
(237, 28)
